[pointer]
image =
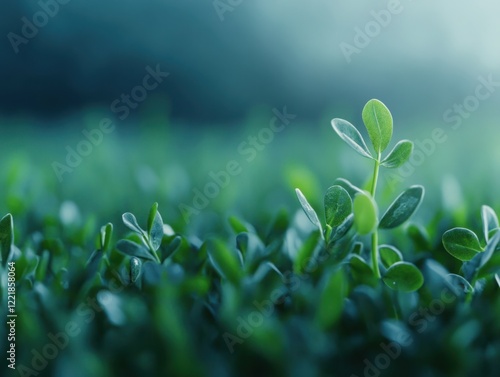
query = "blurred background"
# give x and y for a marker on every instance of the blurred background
(112, 105)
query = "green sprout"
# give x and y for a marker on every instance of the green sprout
(150, 239)
(480, 264)
(347, 205)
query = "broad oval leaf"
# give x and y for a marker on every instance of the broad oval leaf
(378, 122)
(133, 249)
(402, 208)
(389, 255)
(155, 227)
(365, 213)
(331, 302)
(6, 237)
(403, 277)
(338, 205)
(225, 261)
(490, 221)
(351, 136)
(310, 212)
(131, 222)
(399, 155)
(461, 243)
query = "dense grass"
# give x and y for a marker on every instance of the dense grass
(231, 294)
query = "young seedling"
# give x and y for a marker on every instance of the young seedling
(346, 204)
(150, 239)
(480, 263)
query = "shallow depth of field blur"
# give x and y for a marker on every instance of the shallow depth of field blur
(436, 65)
(227, 71)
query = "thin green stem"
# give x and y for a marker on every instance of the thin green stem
(375, 176)
(375, 266)
(150, 247)
(373, 190)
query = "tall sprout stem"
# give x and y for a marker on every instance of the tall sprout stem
(375, 266)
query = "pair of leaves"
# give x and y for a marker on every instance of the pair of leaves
(6, 237)
(389, 255)
(464, 244)
(365, 210)
(338, 212)
(154, 226)
(152, 237)
(338, 206)
(484, 264)
(379, 124)
(400, 276)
